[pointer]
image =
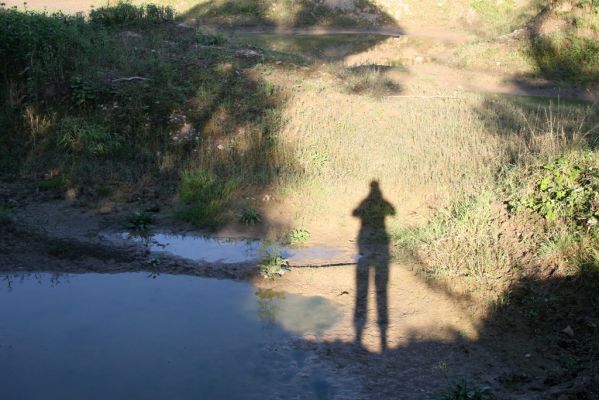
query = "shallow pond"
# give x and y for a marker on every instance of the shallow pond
(230, 251)
(126, 336)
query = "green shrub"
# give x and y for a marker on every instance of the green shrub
(298, 236)
(125, 13)
(41, 51)
(273, 266)
(207, 198)
(140, 221)
(565, 189)
(83, 91)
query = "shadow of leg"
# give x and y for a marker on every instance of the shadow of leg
(361, 299)
(381, 281)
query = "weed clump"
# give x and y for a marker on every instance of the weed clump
(207, 198)
(565, 189)
(298, 236)
(273, 266)
(249, 216)
(140, 221)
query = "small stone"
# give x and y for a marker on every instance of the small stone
(568, 331)
(527, 355)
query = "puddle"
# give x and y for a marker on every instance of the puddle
(231, 251)
(126, 336)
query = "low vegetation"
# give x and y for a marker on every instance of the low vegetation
(298, 236)
(140, 222)
(555, 40)
(249, 216)
(466, 391)
(273, 266)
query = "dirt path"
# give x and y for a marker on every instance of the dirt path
(423, 56)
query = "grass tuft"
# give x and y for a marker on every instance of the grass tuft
(207, 198)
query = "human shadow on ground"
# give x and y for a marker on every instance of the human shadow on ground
(373, 246)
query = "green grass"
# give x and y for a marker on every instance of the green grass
(249, 216)
(207, 199)
(567, 57)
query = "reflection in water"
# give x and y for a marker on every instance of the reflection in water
(122, 336)
(231, 251)
(373, 243)
(268, 307)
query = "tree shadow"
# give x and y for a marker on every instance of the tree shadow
(304, 13)
(563, 55)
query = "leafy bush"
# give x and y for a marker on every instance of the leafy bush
(83, 91)
(566, 190)
(207, 197)
(140, 221)
(273, 266)
(125, 13)
(41, 51)
(298, 236)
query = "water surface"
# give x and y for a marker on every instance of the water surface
(127, 336)
(230, 251)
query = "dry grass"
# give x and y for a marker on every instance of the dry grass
(426, 153)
